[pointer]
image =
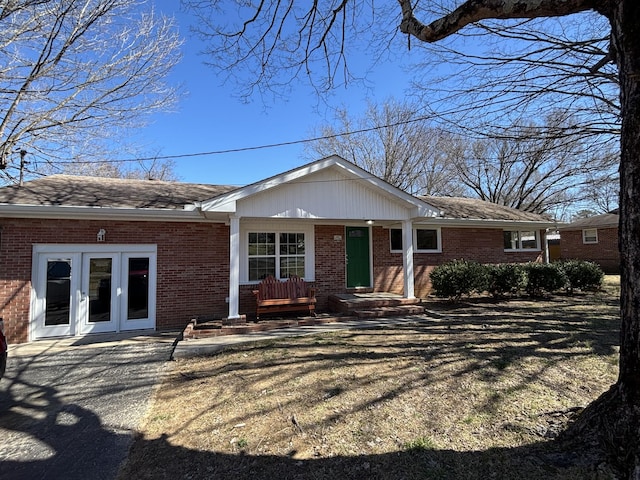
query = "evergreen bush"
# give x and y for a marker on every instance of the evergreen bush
(459, 277)
(582, 275)
(543, 278)
(505, 279)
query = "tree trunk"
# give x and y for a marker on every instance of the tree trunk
(615, 416)
(626, 40)
(625, 34)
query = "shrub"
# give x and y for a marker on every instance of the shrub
(459, 277)
(582, 274)
(505, 279)
(543, 277)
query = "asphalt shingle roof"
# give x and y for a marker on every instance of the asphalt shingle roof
(80, 191)
(475, 209)
(606, 220)
(68, 190)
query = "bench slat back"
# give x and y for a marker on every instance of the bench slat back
(271, 288)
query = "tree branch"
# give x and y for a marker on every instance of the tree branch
(473, 11)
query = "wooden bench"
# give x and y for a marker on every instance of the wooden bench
(291, 295)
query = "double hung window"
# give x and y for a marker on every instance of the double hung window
(521, 240)
(424, 240)
(280, 254)
(590, 235)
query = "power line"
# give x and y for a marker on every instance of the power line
(246, 149)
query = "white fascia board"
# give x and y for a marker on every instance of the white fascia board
(71, 213)
(218, 205)
(504, 224)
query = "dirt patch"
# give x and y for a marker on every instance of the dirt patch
(475, 390)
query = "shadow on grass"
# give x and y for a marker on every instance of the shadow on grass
(158, 459)
(482, 342)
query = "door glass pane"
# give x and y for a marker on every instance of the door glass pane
(99, 290)
(58, 296)
(138, 294)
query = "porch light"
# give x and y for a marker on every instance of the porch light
(101, 235)
(369, 222)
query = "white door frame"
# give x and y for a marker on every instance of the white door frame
(138, 323)
(38, 303)
(79, 254)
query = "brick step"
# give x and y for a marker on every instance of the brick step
(215, 328)
(350, 303)
(390, 311)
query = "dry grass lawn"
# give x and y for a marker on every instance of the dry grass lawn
(474, 390)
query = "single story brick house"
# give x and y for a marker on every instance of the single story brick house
(80, 255)
(594, 239)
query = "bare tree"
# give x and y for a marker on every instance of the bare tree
(602, 192)
(518, 68)
(275, 31)
(394, 143)
(265, 44)
(142, 170)
(615, 416)
(537, 168)
(74, 70)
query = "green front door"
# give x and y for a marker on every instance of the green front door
(358, 267)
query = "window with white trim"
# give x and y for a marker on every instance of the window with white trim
(521, 240)
(590, 235)
(280, 254)
(425, 240)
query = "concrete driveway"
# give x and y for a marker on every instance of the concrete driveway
(69, 408)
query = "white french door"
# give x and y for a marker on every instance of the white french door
(98, 294)
(81, 289)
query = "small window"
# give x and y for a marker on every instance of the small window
(521, 240)
(590, 235)
(424, 239)
(396, 239)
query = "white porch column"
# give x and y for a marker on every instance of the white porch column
(407, 258)
(234, 266)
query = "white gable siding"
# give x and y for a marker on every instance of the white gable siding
(327, 194)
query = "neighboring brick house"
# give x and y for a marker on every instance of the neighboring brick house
(593, 238)
(80, 255)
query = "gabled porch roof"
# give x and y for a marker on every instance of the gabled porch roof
(331, 188)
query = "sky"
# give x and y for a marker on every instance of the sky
(211, 118)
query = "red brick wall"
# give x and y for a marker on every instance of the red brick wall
(330, 262)
(605, 253)
(193, 261)
(483, 245)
